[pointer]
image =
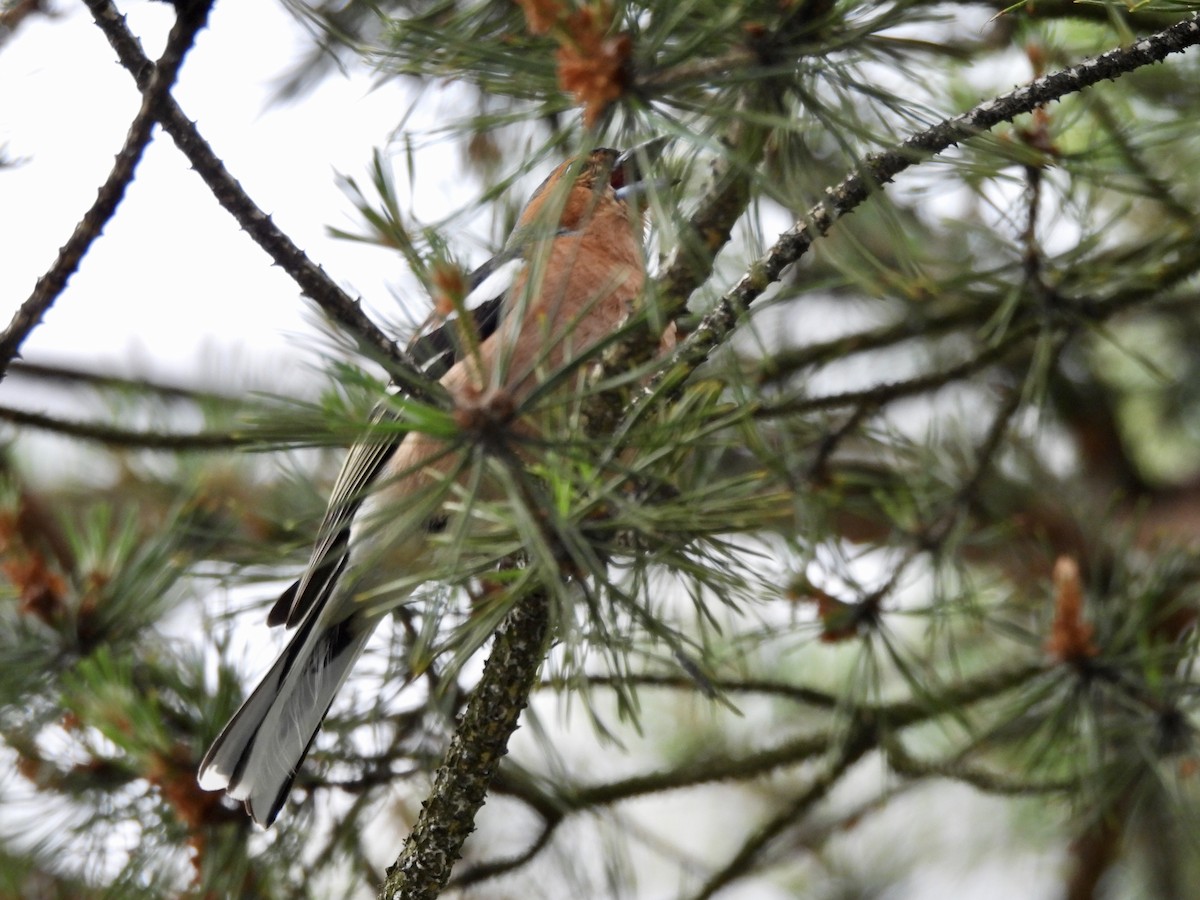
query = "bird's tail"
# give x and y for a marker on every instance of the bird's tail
(256, 756)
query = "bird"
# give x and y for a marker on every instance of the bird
(576, 263)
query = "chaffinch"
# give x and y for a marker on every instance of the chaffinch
(576, 263)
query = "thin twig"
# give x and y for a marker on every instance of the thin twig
(895, 716)
(882, 394)
(997, 783)
(783, 364)
(761, 686)
(74, 375)
(495, 868)
(856, 746)
(126, 438)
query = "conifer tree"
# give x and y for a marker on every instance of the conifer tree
(880, 571)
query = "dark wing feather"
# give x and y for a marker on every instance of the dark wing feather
(435, 352)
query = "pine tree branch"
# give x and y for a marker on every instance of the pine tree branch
(783, 364)
(872, 727)
(998, 783)
(888, 392)
(887, 717)
(723, 201)
(480, 741)
(856, 745)
(75, 376)
(1151, 287)
(692, 264)
(496, 868)
(311, 278)
(876, 722)
(760, 686)
(1102, 13)
(127, 438)
(158, 80)
(879, 169)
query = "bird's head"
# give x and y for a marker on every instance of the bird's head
(604, 181)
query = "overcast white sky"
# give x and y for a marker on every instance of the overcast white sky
(173, 285)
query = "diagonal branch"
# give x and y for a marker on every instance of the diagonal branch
(157, 80)
(479, 743)
(859, 742)
(310, 277)
(880, 168)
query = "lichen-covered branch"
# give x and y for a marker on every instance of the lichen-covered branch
(480, 741)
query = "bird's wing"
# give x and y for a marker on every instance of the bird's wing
(435, 351)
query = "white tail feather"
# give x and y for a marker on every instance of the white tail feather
(256, 757)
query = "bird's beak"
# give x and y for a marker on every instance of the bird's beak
(632, 169)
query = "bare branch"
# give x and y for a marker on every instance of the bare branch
(158, 80)
(311, 278)
(125, 438)
(740, 865)
(75, 376)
